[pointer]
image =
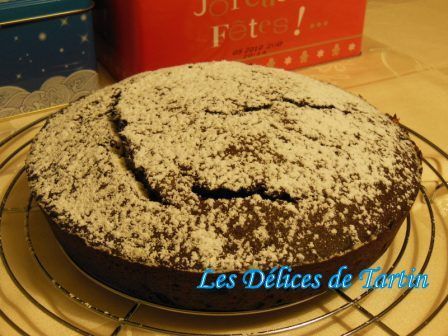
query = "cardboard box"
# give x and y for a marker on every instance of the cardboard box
(141, 35)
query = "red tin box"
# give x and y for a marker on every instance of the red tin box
(141, 35)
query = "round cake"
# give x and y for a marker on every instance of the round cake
(222, 166)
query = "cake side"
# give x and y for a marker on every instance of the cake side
(177, 289)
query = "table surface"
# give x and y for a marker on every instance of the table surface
(403, 70)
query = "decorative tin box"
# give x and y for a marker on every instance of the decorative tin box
(145, 35)
(47, 56)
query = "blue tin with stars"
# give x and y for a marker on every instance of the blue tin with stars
(47, 54)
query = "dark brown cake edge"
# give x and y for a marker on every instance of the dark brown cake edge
(177, 289)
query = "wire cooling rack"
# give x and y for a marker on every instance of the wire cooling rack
(127, 320)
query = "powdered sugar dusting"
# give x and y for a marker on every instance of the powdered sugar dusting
(224, 165)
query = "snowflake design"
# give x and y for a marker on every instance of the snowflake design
(336, 50)
(304, 56)
(84, 38)
(352, 46)
(288, 60)
(320, 53)
(271, 62)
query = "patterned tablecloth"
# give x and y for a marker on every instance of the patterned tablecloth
(404, 71)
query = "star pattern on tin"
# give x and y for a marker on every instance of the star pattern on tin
(304, 56)
(44, 57)
(42, 36)
(352, 46)
(84, 38)
(336, 50)
(288, 60)
(271, 62)
(320, 53)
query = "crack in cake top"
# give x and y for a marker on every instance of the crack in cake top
(228, 166)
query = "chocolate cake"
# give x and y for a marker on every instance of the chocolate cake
(225, 166)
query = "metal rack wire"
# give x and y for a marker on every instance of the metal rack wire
(126, 319)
